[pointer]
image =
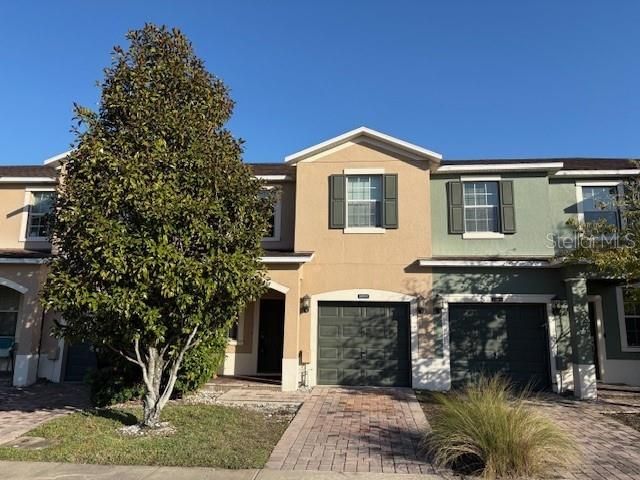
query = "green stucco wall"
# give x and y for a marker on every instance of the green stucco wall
(489, 281)
(607, 292)
(533, 221)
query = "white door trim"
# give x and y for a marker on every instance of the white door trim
(602, 355)
(358, 295)
(502, 299)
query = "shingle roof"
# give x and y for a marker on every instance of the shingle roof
(572, 163)
(27, 171)
(22, 253)
(272, 169)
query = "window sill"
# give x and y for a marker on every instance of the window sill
(364, 230)
(35, 239)
(236, 343)
(482, 235)
(630, 349)
(271, 239)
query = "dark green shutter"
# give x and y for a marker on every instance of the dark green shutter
(507, 207)
(390, 201)
(337, 201)
(456, 207)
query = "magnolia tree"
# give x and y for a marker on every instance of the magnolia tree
(157, 222)
(612, 247)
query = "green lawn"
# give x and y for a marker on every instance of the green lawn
(207, 435)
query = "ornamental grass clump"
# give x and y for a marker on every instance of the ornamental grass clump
(489, 430)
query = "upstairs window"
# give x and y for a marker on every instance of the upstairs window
(600, 203)
(481, 207)
(364, 197)
(40, 208)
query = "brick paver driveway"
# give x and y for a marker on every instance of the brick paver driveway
(610, 450)
(355, 429)
(22, 409)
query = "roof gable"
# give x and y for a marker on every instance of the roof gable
(365, 135)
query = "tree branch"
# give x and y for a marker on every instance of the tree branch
(173, 374)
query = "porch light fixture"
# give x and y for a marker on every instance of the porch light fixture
(305, 304)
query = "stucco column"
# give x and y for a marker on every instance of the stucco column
(290, 368)
(28, 333)
(584, 369)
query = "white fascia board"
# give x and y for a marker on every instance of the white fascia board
(362, 131)
(488, 263)
(598, 173)
(27, 180)
(56, 158)
(274, 178)
(500, 167)
(23, 261)
(286, 259)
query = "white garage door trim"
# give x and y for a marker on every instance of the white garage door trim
(499, 299)
(364, 295)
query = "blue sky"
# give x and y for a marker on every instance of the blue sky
(468, 79)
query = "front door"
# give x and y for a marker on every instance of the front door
(271, 336)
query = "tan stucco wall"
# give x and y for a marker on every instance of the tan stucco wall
(382, 261)
(29, 325)
(13, 210)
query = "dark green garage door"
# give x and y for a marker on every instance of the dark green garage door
(510, 339)
(362, 343)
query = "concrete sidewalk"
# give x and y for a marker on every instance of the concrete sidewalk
(57, 471)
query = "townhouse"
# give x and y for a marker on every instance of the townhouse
(388, 266)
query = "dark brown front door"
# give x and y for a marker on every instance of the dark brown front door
(271, 336)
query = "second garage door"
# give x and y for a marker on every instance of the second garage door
(509, 339)
(362, 343)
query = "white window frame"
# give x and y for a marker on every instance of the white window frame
(28, 202)
(277, 215)
(353, 172)
(479, 235)
(580, 197)
(622, 324)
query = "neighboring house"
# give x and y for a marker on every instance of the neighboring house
(391, 267)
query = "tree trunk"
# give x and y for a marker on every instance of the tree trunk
(153, 400)
(152, 366)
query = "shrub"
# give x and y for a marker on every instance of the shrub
(114, 381)
(117, 380)
(488, 429)
(199, 365)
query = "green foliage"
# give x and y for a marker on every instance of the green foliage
(614, 251)
(158, 221)
(115, 381)
(199, 365)
(488, 429)
(118, 381)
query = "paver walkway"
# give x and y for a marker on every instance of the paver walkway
(22, 409)
(611, 450)
(355, 430)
